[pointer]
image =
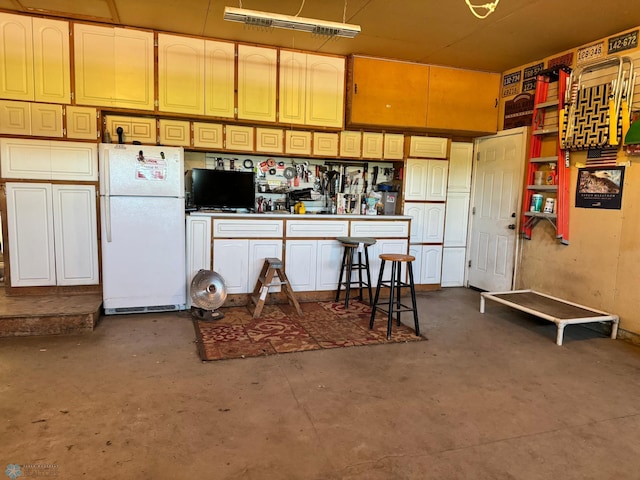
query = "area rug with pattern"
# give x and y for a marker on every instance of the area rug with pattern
(279, 329)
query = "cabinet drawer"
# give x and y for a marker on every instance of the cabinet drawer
(228, 228)
(175, 132)
(428, 147)
(380, 229)
(269, 140)
(208, 135)
(298, 142)
(316, 228)
(81, 122)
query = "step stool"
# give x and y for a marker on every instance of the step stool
(271, 268)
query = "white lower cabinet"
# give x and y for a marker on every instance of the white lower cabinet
(239, 261)
(313, 265)
(453, 266)
(430, 264)
(198, 239)
(52, 234)
(384, 245)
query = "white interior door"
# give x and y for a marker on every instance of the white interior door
(495, 209)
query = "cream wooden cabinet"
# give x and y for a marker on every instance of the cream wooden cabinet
(240, 138)
(387, 92)
(257, 76)
(134, 129)
(298, 143)
(460, 163)
(196, 76)
(427, 221)
(393, 146)
(269, 140)
(311, 89)
(428, 147)
(350, 144)
(463, 100)
(430, 264)
(325, 144)
(33, 119)
(34, 59)
(453, 266)
(81, 122)
(208, 135)
(372, 145)
(313, 265)
(114, 67)
(175, 132)
(426, 180)
(48, 160)
(181, 74)
(52, 234)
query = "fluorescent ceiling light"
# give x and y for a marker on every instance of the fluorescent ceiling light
(289, 22)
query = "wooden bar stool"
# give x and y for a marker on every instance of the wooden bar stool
(395, 285)
(351, 246)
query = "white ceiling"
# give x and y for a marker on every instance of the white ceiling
(442, 32)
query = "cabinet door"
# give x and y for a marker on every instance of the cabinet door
(431, 268)
(372, 145)
(81, 122)
(325, 144)
(269, 140)
(181, 74)
(25, 158)
(324, 91)
(94, 65)
(463, 100)
(453, 267)
(258, 251)
(175, 132)
(329, 256)
(198, 238)
(298, 142)
(51, 64)
(230, 259)
(416, 251)
(257, 72)
(46, 120)
(208, 135)
(134, 129)
(456, 224)
(301, 264)
(76, 234)
(15, 118)
(433, 226)
(293, 87)
(220, 76)
(393, 146)
(134, 69)
(74, 161)
(460, 163)
(416, 212)
(388, 93)
(238, 137)
(437, 180)
(385, 245)
(350, 144)
(31, 238)
(16, 57)
(416, 179)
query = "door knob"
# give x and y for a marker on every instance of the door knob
(512, 226)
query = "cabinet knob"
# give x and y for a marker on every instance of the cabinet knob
(512, 226)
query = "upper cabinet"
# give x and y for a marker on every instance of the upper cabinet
(311, 89)
(114, 67)
(196, 76)
(463, 100)
(386, 92)
(257, 75)
(34, 59)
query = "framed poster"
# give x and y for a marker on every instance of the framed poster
(600, 187)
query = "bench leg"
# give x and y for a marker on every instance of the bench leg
(481, 304)
(560, 333)
(614, 329)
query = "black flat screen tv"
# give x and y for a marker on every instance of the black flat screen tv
(222, 189)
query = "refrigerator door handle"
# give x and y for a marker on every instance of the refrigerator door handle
(106, 174)
(107, 217)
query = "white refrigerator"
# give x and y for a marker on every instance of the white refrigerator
(142, 228)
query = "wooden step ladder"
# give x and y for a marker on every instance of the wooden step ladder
(271, 268)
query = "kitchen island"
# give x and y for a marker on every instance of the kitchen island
(235, 245)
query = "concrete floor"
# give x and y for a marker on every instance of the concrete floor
(487, 397)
